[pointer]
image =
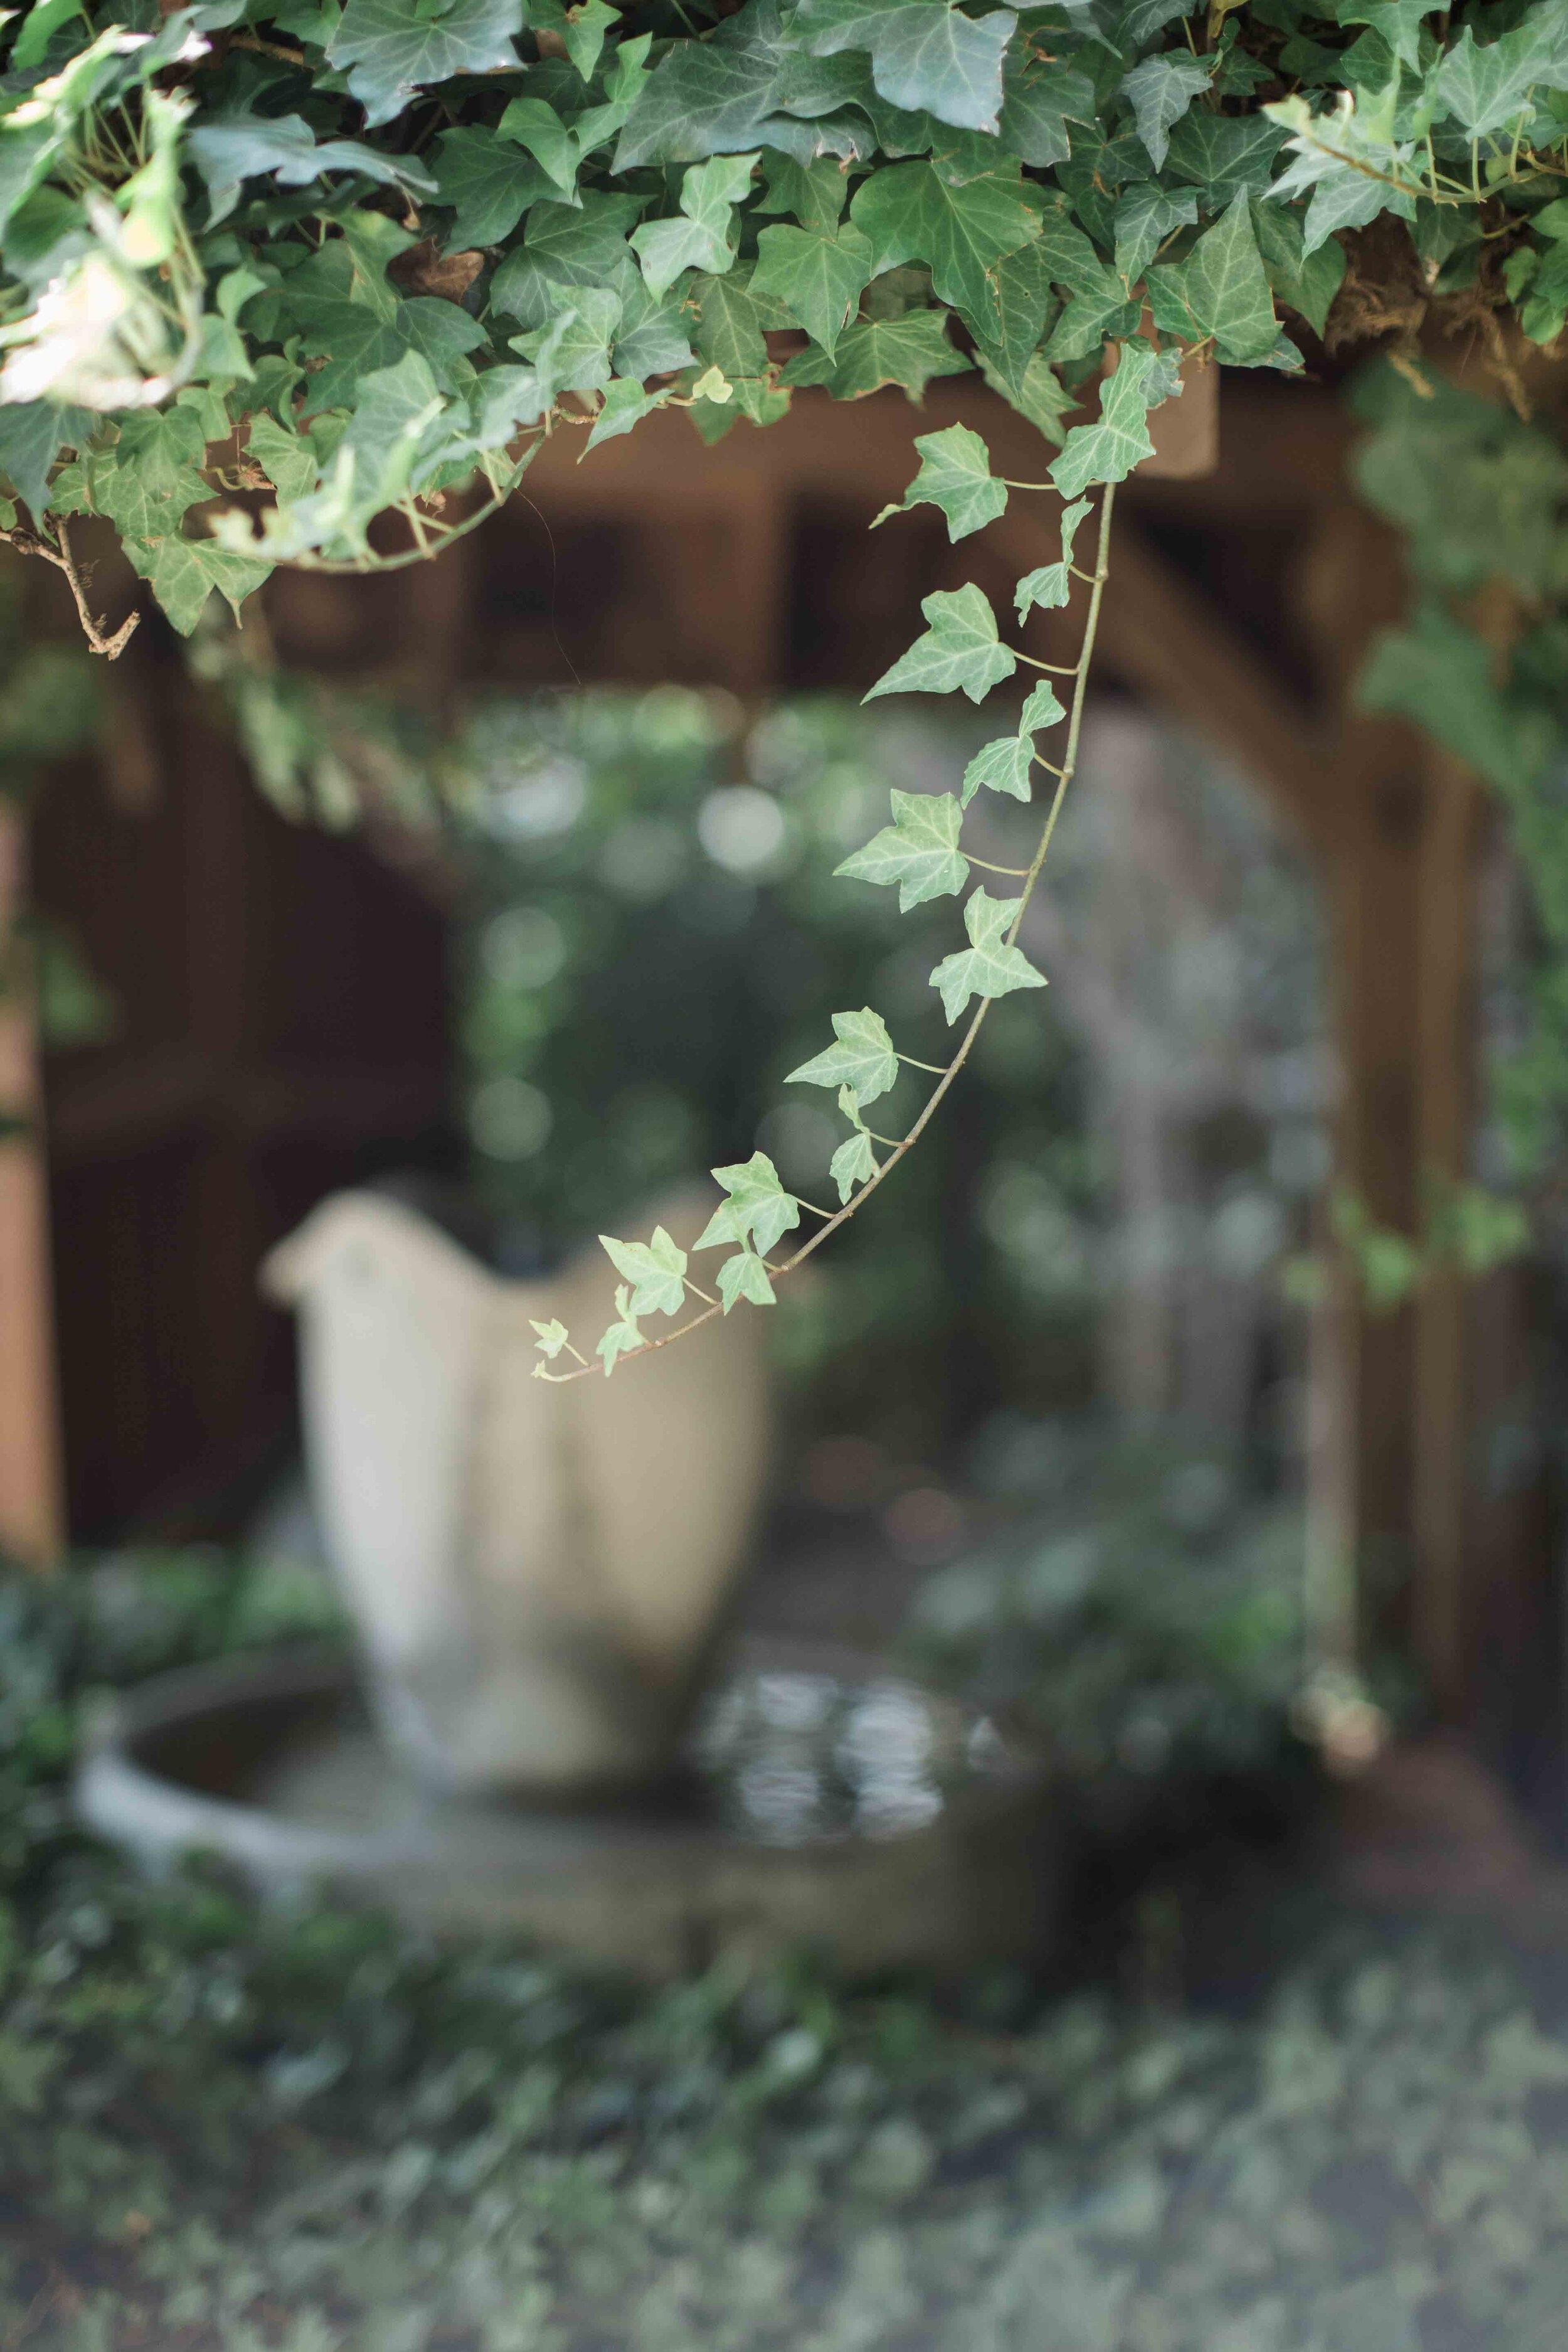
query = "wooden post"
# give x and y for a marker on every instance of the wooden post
(1445, 1044)
(30, 1511)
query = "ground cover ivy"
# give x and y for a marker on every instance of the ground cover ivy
(224, 2130)
(274, 274)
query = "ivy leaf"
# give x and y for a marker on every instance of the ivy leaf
(1050, 584)
(489, 183)
(1486, 88)
(718, 95)
(563, 246)
(1108, 450)
(958, 650)
(580, 24)
(732, 319)
(907, 351)
(918, 850)
(855, 1161)
(656, 1270)
(182, 573)
(1160, 91)
(758, 1206)
(32, 434)
(625, 403)
(228, 149)
(1221, 289)
(988, 967)
(1305, 282)
(705, 238)
(1038, 103)
(532, 122)
(1399, 22)
(926, 55)
(1144, 217)
(744, 1276)
(573, 353)
(1040, 395)
(393, 47)
(1003, 767)
(814, 194)
(911, 213)
(862, 1059)
(623, 1335)
(1221, 154)
(288, 459)
(553, 1337)
(956, 474)
(818, 274)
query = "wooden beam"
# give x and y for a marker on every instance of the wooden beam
(31, 1525)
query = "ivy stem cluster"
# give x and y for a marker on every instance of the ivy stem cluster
(946, 1074)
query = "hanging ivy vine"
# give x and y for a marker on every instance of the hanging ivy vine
(287, 281)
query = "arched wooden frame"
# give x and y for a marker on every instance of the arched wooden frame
(1391, 828)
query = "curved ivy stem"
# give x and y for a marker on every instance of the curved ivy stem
(361, 567)
(945, 1080)
(110, 643)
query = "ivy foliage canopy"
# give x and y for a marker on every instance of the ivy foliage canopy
(349, 257)
(275, 271)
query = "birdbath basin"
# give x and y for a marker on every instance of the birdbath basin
(823, 1801)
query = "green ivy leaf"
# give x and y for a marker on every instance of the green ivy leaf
(228, 149)
(1221, 289)
(573, 353)
(1001, 767)
(1305, 282)
(732, 318)
(704, 237)
(32, 434)
(926, 55)
(1160, 91)
(564, 245)
(625, 403)
(911, 213)
(489, 183)
(956, 474)
(959, 651)
(581, 25)
(288, 459)
(854, 1162)
(1486, 88)
(862, 1059)
(918, 850)
(623, 1335)
(988, 967)
(656, 1269)
(1144, 217)
(818, 274)
(393, 47)
(744, 1276)
(1399, 22)
(907, 351)
(1050, 584)
(182, 573)
(758, 1206)
(553, 1337)
(533, 123)
(1108, 450)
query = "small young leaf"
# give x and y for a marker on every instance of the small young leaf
(656, 1269)
(960, 648)
(758, 1206)
(863, 1058)
(552, 1338)
(854, 1162)
(1004, 766)
(1108, 450)
(918, 850)
(1051, 584)
(703, 237)
(744, 1276)
(623, 1335)
(956, 474)
(988, 966)
(1041, 709)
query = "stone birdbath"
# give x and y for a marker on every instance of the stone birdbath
(540, 1728)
